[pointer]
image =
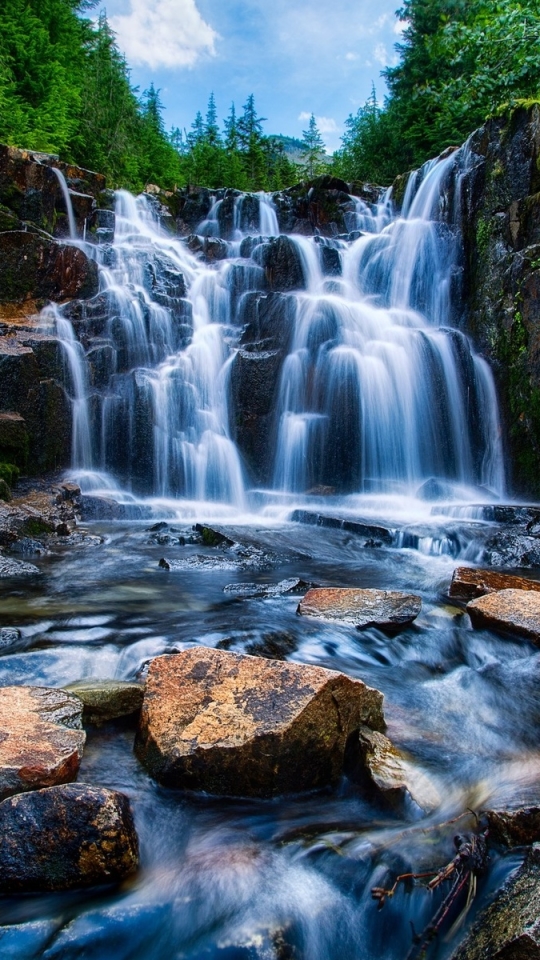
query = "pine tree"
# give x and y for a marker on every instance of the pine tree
(251, 140)
(211, 129)
(313, 149)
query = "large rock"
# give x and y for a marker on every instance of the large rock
(508, 611)
(65, 837)
(516, 827)
(13, 439)
(240, 725)
(107, 699)
(34, 267)
(283, 265)
(41, 738)
(362, 528)
(254, 386)
(509, 929)
(15, 568)
(387, 609)
(471, 582)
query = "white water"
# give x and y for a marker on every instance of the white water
(377, 393)
(67, 201)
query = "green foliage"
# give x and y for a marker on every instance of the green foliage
(9, 473)
(313, 150)
(460, 62)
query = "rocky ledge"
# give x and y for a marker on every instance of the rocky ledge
(386, 609)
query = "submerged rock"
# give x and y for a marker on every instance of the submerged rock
(247, 726)
(386, 609)
(509, 929)
(514, 828)
(65, 837)
(471, 582)
(508, 611)
(291, 586)
(512, 550)
(15, 568)
(375, 763)
(41, 738)
(107, 699)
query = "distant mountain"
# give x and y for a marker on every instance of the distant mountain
(292, 146)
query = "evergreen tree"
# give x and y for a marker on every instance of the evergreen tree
(251, 140)
(211, 130)
(233, 169)
(313, 149)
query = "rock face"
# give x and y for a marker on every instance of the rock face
(515, 828)
(41, 740)
(107, 699)
(510, 927)
(508, 611)
(65, 837)
(34, 267)
(470, 582)
(361, 608)
(240, 725)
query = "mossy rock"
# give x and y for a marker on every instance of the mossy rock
(5, 492)
(9, 473)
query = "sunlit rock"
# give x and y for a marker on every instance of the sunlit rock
(41, 738)
(65, 837)
(387, 609)
(377, 765)
(515, 827)
(471, 582)
(508, 611)
(240, 725)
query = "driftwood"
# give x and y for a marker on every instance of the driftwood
(462, 872)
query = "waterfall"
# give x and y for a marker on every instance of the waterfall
(67, 201)
(373, 388)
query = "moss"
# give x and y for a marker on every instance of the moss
(483, 236)
(9, 473)
(36, 528)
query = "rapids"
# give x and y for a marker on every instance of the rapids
(378, 392)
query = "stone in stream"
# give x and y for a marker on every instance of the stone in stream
(65, 837)
(387, 609)
(15, 568)
(509, 929)
(508, 611)
(360, 527)
(291, 586)
(374, 762)
(514, 828)
(41, 738)
(247, 726)
(107, 699)
(471, 582)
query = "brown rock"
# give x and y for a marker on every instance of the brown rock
(470, 582)
(515, 828)
(41, 740)
(387, 609)
(508, 611)
(378, 765)
(37, 267)
(240, 725)
(509, 929)
(107, 699)
(65, 837)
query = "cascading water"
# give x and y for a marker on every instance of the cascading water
(376, 391)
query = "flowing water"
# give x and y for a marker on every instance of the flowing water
(378, 392)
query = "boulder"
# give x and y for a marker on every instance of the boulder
(41, 738)
(239, 725)
(515, 828)
(15, 568)
(362, 528)
(13, 439)
(387, 609)
(509, 929)
(281, 259)
(374, 762)
(508, 611)
(35, 267)
(512, 550)
(66, 837)
(107, 699)
(471, 582)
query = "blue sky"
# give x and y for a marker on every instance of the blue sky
(296, 56)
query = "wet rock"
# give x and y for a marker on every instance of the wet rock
(374, 762)
(66, 837)
(105, 700)
(105, 508)
(41, 738)
(470, 582)
(386, 609)
(512, 550)
(212, 537)
(275, 645)
(15, 568)
(293, 585)
(33, 267)
(509, 929)
(254, 387)
(231, 724)
(508, 611)
(362, 528)
(282, 263)
(514, 828)
(13, 439)
(5, 491)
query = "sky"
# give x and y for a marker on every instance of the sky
(296, 56)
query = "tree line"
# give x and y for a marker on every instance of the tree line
(460, 62)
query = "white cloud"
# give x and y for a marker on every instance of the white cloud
(164, 33)
(351, 56)
(325, 124)
(380, 55)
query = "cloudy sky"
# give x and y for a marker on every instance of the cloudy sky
(296, 56)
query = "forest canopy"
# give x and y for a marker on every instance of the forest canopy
(65, 88)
